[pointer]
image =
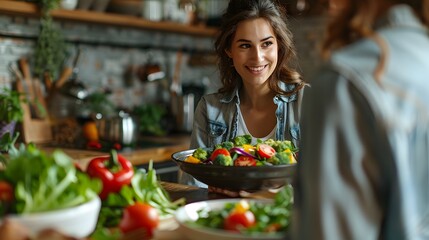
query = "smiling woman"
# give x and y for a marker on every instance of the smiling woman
(261, 91)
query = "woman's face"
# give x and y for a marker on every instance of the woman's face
(254, 51)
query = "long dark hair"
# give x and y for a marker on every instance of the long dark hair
(273, 12)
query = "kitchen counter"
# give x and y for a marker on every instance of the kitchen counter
(158, 149)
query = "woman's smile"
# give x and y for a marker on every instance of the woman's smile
(256, 69)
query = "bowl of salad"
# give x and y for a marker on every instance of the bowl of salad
(237, 219)
(78, 221)
(238, 165)
(42, 191)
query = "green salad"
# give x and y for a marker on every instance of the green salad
(33, 181)
(251, 217)
(240, 152)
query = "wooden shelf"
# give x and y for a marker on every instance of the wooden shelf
(31, 10)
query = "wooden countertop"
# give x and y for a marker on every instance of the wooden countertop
(161, 151)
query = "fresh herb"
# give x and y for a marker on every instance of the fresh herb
(150, 118)
(51, 49)
(10, 106)
(7, 142)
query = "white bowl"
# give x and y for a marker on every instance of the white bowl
(78, 222)
(189, 212)
(68, 4)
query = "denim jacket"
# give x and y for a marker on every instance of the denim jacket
(363, 171)
(216, 121)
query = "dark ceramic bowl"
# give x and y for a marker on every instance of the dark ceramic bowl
(236, 177)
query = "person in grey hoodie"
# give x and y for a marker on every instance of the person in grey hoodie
(363, 167)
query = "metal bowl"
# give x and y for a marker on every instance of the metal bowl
(236, 177)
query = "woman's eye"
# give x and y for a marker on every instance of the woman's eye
(267, 44)
(245, 46)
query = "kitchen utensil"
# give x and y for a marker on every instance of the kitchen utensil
(186, 105)
(150, 72)
(64, 76)
(119, 129)
(27, 84)
(73, 87)
(236, 178)
(152, 10)
(176, 92)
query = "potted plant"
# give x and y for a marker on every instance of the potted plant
(11, 113)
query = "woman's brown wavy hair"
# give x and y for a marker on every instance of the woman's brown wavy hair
(356, 21)
(273, 12)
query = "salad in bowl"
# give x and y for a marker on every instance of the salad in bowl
(238, 165)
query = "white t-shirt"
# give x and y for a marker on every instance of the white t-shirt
(242, 129)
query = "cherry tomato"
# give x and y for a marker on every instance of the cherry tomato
(93, 145)
(266, 151)
(219, 151)
(6, 192)
(245, 161)
(239, 220)
(117, 146)
(139, 215)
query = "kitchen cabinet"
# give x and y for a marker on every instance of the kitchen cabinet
(25, 9)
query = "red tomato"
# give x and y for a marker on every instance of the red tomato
(139, 215)
(266, 151)
(6, 192)
(117, 146)
(219, 151)
(245, 161)
(93, 145)
(238, 220)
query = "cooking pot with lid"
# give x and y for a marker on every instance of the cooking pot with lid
(118, 129)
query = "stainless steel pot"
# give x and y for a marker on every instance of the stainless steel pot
(119, 129)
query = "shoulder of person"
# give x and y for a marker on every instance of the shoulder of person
(218, 97)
